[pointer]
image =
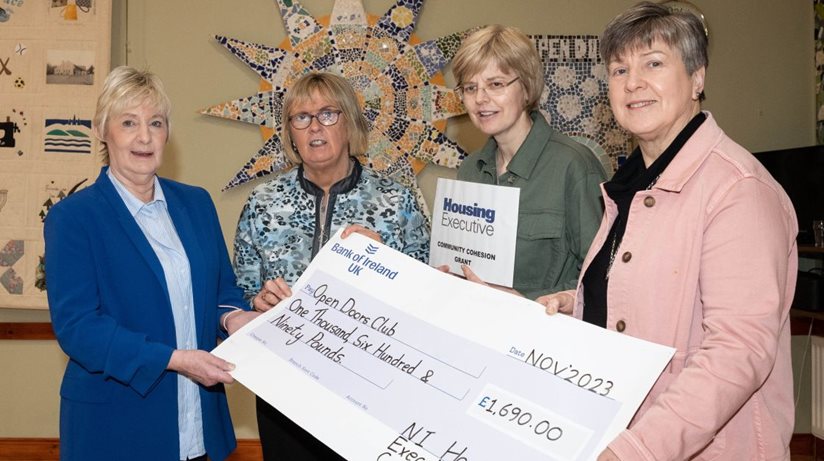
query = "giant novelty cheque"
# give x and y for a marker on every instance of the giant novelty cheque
(384, 358)
(475, 225)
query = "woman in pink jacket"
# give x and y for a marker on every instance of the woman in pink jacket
(696, 251)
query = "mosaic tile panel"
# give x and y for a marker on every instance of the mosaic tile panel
(401, 19)
(381, 49)
(269, 159)
(299, 24)
(575, 100)
(445, 103)
(348, 13)
(264, 60)
(348, 43)
(408, 71)
(416, 101)
(316, 51)
(391, 77)
(444, 151)
(262, 109)
(394, 81)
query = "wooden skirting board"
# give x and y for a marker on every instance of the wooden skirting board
(48, 449)
(26, 330)
(801, 323)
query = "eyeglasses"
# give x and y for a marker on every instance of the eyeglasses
(302, 120)
(493, 88)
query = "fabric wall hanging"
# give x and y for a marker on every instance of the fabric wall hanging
(50, 54)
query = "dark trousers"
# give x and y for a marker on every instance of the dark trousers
(281, 439)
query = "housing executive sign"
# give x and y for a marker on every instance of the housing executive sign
(475, 225)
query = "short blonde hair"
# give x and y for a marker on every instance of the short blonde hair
(507, 47)
(125, 88)
(337, 90)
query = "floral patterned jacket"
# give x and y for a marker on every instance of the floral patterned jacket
(280, 230)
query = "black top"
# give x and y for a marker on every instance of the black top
(631, 177)
(341, 187)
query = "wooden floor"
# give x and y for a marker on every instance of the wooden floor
(804, 446)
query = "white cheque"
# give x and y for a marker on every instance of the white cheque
(384, 358)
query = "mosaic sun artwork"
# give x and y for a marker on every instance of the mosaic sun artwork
(402, 91)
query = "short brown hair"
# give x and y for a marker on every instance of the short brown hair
(124, 88)
(336, 89)
(507, 47)
(647, 22)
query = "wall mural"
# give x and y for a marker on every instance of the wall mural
(575, 99)
(49, 53)
(402, 90)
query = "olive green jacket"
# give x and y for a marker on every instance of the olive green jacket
(560, 205)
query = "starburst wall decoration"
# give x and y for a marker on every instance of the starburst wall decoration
(398, 80)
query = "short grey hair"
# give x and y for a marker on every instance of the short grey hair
(647, 22)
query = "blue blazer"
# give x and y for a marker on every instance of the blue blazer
(112, 316)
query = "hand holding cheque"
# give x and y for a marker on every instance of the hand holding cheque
(455, 371)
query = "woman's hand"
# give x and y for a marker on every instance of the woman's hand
(201, 366)
(234, 320)
(562, 302)
(272, 292)
(358, 229)
(472, 277)
(608, 455)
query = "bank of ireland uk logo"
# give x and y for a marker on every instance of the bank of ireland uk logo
(359, 262)
(362, 260)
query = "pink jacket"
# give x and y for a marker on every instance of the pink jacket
(708, 266)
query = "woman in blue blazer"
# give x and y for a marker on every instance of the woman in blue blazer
(140, 287)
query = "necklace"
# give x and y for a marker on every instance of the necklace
(614, 248)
